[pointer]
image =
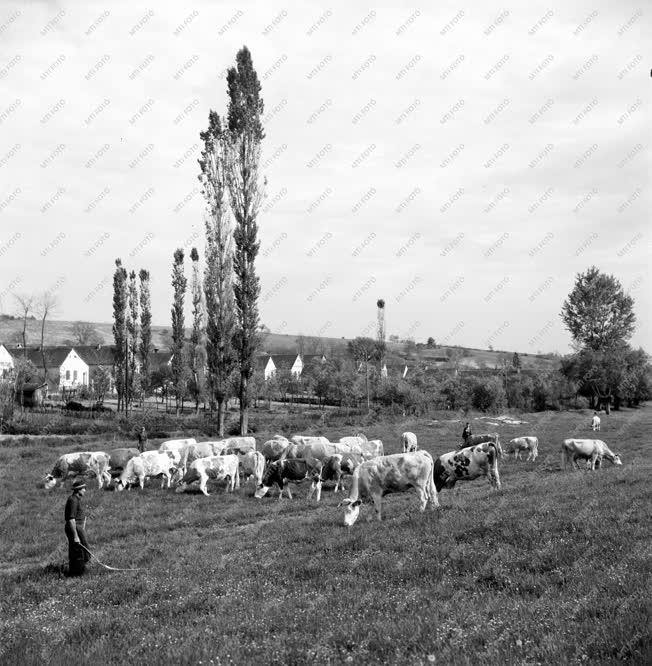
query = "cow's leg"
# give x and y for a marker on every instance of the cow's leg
(423, 498)
(288, 491)
(203, 481)
(141, 482)
(318, 490)
(378, 505)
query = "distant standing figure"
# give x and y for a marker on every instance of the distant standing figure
(142, 439)
(466, 433)
(595, 421)
(75, 529)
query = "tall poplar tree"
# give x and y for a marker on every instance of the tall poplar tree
(218, 272)
(145, 327)
(120, 329)
(132, 335)
(197, 338)
(246, 193)
(179, 283)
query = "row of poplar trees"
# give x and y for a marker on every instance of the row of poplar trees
(226, 336)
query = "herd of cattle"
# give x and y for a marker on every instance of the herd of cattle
(183, 462)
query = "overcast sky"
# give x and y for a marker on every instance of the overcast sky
(462, 161)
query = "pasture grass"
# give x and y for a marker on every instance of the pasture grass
(553, 569)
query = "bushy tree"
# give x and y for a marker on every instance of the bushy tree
(598, 313)
(120, 300)
(145, 327)
(179, 365)
(488, 393)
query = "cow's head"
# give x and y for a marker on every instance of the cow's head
(616, 460)
(352, 510)
(121, 484)
(49, 482)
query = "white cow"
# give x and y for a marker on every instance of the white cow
(372, 449)
(522, 444)
(395, 473)
(146, 465)
(93, 463)
(213, 467)
(176, 448)
(192, 452)
(467, 464)
(409, 440)
(593, 450)
(252, 463)
(595, 422)
(237, 445)
(354, 441)
(275, 448)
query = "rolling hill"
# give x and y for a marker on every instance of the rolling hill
(62, 333)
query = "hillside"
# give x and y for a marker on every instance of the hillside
(62, 333)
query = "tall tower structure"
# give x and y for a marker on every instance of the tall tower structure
(380, 334)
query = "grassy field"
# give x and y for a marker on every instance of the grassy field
(554, 569)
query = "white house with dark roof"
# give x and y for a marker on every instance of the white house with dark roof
(6, 362)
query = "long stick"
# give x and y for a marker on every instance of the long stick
(106, 566)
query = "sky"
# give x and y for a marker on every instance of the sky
(462, 162)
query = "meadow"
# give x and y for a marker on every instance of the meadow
(553, 569)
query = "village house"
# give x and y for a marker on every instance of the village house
(6, 362)
(296, 364)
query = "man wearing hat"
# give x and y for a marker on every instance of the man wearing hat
(75, 530)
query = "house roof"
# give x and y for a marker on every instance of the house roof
(54, 356)
(260, 362)
(96, 354)
(284, 361)
(309, 358)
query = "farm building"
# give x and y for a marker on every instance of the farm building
(6, 362)
(269, 364)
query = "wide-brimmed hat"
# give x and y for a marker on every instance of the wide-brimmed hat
(78, 485)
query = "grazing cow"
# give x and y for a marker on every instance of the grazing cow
(493, 437)
(522, 444)
(146, 465)
(193, 452)
(176, 448)
(332, 470)
(467, 464)
(213, 467)
(275, 448)
(593, 450)
(92, 463)
(354, 441)
(252, 463)
(409, 440)
(372, 449)
(118, 459)
(350, 461)
(237, 445)
(595, 422)
(296, 469)
(390, 474)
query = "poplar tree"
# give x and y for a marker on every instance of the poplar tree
(145, 326)
(179, 283)
(132, 335)
(120, 329)
(197, 341)
(218, 271)
(246, 193)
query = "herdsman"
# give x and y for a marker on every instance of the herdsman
(75, 518)
(466, 433)
(142, 439)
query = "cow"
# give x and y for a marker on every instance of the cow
(237, 445)
(212, 467)
(315, 447)
(275, 448)
(390, 474)
(467, 464)
(522, 444)
(146, 465)
(193, 452)
(93, 463)
(252, 463)
(296, 469)
(593, 450)
(355, 440)
(118, 459)
(339, 464)
(472, 440)
(176, 448)
(372, 449)
(409, 441)
(595, 422)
